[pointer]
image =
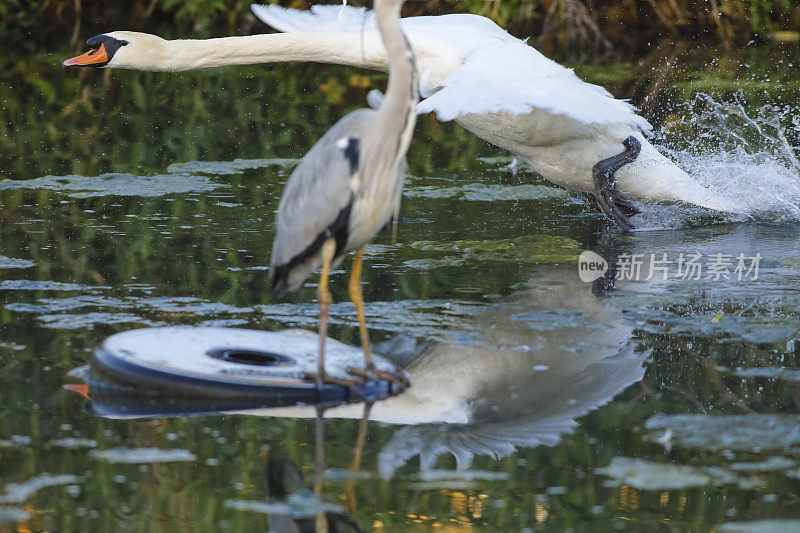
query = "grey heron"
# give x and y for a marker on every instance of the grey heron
(347, 188)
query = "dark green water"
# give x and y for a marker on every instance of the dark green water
(667, 405)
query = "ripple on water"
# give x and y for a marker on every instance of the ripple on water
(455, 479)
(769, 372)
(117, 184)
(773, 463)
(300, 504)
(13, 514)
(16, 441)
(53, 312)
(760, 526)
(537, 249)
(142, 455)
(19, 492)
(237, 166)
(414, 318)
(31, 285)
(750, 432)
(10, 262)
(653, 476)
(90, 320)
(479, 192)
(73, 443)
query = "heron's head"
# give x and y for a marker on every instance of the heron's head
(120, 49)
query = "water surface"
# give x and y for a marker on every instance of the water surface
(538, 400)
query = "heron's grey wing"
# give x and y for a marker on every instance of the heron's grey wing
(316, 202)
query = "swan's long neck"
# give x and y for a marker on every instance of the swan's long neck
(397, 113)
(189, 54)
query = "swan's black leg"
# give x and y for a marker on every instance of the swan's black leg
(614, 205)
(625, 205)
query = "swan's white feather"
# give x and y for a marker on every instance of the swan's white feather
(318, 19)
(467, 29)
(489, 58)
(489, 82)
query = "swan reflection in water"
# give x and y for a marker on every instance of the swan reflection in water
(547, 356)
(551, 354)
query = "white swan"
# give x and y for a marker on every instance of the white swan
(472, 71)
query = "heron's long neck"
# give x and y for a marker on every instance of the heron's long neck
(402, 92)
(338, 48)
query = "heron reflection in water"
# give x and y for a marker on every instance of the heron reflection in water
(285, 482)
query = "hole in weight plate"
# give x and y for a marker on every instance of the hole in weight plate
(251, 357)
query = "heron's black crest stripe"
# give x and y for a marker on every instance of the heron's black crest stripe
(111, 45)
(406, 116)
(352, 154)
(338, 230)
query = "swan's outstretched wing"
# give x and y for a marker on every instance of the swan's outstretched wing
(466, 29)
(483, 68)
(317, 19)
(516, 78)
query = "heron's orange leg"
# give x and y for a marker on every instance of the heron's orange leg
(321, 520)
(357, 298)
(369, 372)
(325, 299)
(355, 464)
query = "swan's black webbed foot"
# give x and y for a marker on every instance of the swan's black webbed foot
(612, 203)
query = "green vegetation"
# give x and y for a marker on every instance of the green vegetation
(561, 26)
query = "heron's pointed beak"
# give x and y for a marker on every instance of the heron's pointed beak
(92, 57)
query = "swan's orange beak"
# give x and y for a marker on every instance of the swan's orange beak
(79, 388)
(92, 57)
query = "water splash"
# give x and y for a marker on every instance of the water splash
(747, 154)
